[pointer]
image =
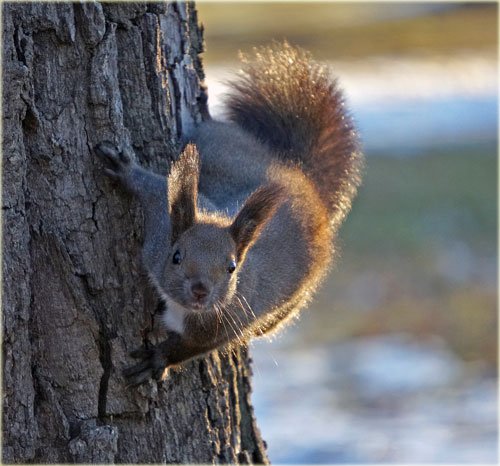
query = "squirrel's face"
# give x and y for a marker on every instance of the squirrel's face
(202, 268)
(207, 252)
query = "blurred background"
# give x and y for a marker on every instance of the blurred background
(396, 359)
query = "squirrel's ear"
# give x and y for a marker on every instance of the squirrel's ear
(183, 191)
(253, 216)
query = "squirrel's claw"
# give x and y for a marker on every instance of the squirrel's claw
(117, 161)
(137, 374)
(151, 366)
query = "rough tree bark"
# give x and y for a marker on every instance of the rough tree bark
(74, 300)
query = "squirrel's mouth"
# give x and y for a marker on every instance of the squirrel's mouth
(191, 304)
(197, 306)
(199, 303)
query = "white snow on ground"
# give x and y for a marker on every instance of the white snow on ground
(383, 399)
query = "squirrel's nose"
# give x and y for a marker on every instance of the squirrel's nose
(199, 291)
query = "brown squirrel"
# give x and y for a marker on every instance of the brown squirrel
(245, 235)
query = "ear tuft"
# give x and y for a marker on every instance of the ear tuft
(183, 191)
(254, 215)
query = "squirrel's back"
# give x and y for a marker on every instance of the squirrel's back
(290, 103)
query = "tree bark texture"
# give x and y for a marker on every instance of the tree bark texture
(74, 298)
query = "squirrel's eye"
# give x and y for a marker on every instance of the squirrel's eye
(176, 259)
(231, 267)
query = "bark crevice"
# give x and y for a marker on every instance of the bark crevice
(107, 365)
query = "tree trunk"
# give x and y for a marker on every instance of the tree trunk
(74, 300)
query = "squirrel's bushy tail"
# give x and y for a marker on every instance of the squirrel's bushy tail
(289, 102)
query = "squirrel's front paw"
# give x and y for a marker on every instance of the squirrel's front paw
(152, 365)
(118, 161)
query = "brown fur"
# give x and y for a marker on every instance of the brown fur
(289, 102)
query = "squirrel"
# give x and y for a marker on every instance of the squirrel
(241, 232)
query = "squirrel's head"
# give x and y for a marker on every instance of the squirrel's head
(209, 250)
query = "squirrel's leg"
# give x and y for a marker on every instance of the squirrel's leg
(122, 167)
(203, 333)
(154, 360)
(151, 190)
